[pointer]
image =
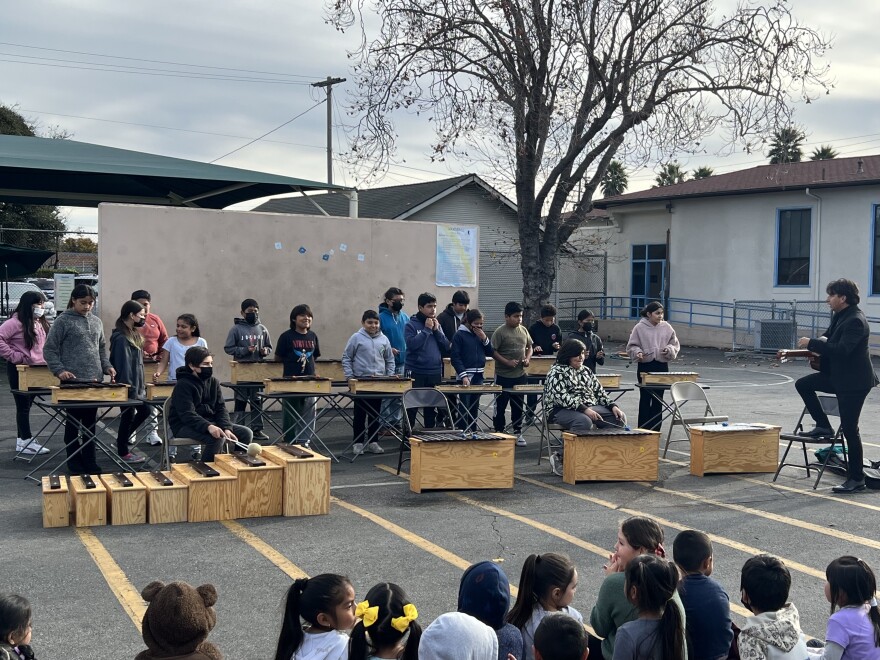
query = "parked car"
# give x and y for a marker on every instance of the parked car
(47, 286)
(16, 289)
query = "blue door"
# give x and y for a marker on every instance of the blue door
(648, 276)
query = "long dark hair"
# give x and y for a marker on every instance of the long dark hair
(656, 581)
(306, 599)
(15, 615)
(570, 348)
(644, 532)
(25, 314)
(191, 321)
(135, 338)
(540, 575)
(853, 578)
(81, 291)
(367, 640)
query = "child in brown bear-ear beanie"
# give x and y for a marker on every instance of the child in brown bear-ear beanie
(177, 622)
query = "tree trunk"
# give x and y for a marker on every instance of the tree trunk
(538, 266)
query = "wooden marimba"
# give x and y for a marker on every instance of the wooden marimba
(468, 389)
(327, 368)
(611, 454)
(85, 392)
(379, 384)
(668, 377)
(488, 371)
(608, 380)
(35, 377)
(298, 384)
(254, 372)
(159, 391)
(539, 365)
(735, 448)
(460, 459)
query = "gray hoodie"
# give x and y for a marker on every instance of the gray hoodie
(458, 636)
(76, 344)
(242, 335)
(365, 355)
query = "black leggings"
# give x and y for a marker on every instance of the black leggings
(22, 404)
(129, 422)
(650, 408)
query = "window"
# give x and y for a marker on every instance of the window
(793, 248)
(875, 262)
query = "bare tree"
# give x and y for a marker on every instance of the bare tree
(545, 93)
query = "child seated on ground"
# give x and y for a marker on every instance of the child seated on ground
(559, 637)
(15, 628)
(484, 593)
(706, 604)
(774, 632)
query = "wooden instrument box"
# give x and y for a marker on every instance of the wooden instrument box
(328, 368)
(668, 377)
(488, 372)
(539, 365)
(307, 384)
(306, 490)
(210, 498)
(734, 448)
(611, 455)
(56, 503)
(462, 463)
(259, 487)
(379, 385)
(165, 504)
(609, 380)
(127, 504)
(464, 389)
(35, 377)
(84, 394)
(159, 391)
(89, 504)
(255, 372)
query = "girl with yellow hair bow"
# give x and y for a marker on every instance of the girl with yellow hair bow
(388, 626)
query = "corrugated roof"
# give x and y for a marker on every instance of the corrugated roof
(814, 174)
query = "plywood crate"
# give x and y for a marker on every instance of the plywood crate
(488, 372)
(462, 464)
(56, 503)
(668, 377)
(259, 488)
(611, 456)
(380, 385)
(89, 504)
(255, 372)
(165, 504)
(540, 365)
(300, 385)
(126, 505)
(35, 377)
(736, 448)
(464, 389)
(328, 368)
(210, 498)
(609, 380)
(159, 391)
(85, 394)
(306, 490)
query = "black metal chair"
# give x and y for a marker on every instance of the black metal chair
(414, 399)
(830, 407)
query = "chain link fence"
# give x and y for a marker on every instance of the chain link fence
(578, 277)
(767, 326)
(73, 251)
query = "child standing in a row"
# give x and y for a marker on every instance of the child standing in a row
(248, 341)
(298, 349)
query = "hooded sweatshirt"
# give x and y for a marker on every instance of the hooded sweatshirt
(197, 403)
(76, 344)
(424, 348)
(773, 636)
(538, 615)
(484, 593)
(650, 340)
(392, 324)
(458, 636)
(331, 645)
(12, 346)
(128, 360)
(242, 336)
(366, 355)
(469, 354)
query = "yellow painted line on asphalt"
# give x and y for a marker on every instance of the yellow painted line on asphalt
(119, 584)
(270, 553)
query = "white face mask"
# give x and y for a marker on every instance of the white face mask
(38, 312)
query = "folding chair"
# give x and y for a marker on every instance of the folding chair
(551, 435)
(684, 393)
(413, 399)
(830, 407)
(170, 440)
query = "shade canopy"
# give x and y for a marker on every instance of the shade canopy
(68, 173)
(18, 261)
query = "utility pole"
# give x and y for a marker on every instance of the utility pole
(329, 85)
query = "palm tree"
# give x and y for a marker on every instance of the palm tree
(825, 152)
(616, 180)
(785, 147)
(702, 172)
(670, 173)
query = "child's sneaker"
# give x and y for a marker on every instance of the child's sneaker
(374, 448)
(357, 448)
(556, 463)
(520, 440)
(29, 446)
(133, 458)
(154, 439)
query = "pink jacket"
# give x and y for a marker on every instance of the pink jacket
(651, 340)
(12, 346)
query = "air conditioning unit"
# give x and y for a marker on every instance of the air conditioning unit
(775, 334)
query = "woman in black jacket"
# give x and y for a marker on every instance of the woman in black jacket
(127, 357)
(846, 371)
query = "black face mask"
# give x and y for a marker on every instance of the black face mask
(140, 323)
(397, 305)
(251, 317)
(206, 372)
(587, 326)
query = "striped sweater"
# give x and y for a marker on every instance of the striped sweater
(573, 389)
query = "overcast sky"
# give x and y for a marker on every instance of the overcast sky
(266, 55)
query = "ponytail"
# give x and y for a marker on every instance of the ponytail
(521, 611)
(135, 338)
(672, 632)
(291, 636)
(853, 579)
(656, 581)
(541, 574)
(390, 625)
(306, 599)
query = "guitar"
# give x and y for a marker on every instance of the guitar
(787, 354)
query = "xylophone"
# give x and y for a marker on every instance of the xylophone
(608, 380)
(308, 384)
(668, 377)
(539, 365)
(254, 372)
(458, 436)
(488, 371)
(611, 454)
(787, 354)
(380, 384)
(159, 391)
(461, 460)
(464, 389)
(89, 391)
(726, 448)
(329, 368)
(35, 377)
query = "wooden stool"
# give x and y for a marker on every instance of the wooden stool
(259, 488)
(306, 490)
(165, 504)
(210, 498)
(734, 448)
(56, 503)
(89, 504)
(127, 504)
(458, 463)
(611, 455)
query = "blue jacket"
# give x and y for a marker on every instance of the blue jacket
(424, 347)
(707, 616)
(469, 353)
(392, 326)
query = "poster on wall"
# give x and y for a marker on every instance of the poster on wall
(457, 255)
